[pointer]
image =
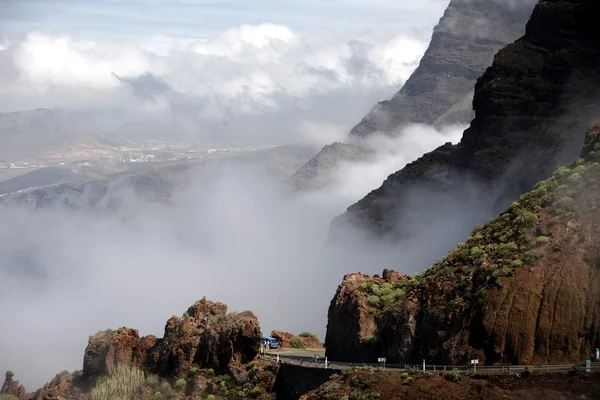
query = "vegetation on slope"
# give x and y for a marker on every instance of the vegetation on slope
(511, 241)
(126, 382)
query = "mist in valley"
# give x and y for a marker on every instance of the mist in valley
(230, 230)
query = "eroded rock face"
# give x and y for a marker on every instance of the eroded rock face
(64, 386)
(12, 387)
(349, 324)
(532, 107)
(109, 348)
(462, 46)
(285, 340)
(208, 336)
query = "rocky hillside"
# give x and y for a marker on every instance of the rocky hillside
(376, 384)
(206, 351)
(532, 106)
(32, 134)
(524, 288)
(440, 91)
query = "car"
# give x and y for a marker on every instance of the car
(272, 342)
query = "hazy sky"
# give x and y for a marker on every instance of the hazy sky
(238, 69)
(200, 19)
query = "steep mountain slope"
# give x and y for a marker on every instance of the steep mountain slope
(531, 106)
(440, 91)
(462, 46)
(524, 288)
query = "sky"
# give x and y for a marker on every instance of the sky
(237, 70)
(262, 70)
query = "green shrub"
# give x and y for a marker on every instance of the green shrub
(527, 371)
(124, 381)
(296, 343)
(562, 205)
(530, 258)
(307, 335)
(371, 312)
(181, 382)
(209, 372)
(542, 239)
(8, 397)
(370, 340)
(453, 376)
(374, 301)
(372, 396)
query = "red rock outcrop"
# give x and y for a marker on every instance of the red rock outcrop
(109, 348)
(284, 338)
(349, 322)
(523, 289)
(309, 341)
(208, 336)
(64, 386)
(12, 387)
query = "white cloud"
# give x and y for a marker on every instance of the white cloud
(251, 72)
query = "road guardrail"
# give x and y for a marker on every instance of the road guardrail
(320, 362)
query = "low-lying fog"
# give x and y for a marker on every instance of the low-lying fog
(234, 234)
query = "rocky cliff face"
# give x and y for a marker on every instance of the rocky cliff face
(204, 341)
(462, 46)
(532, 106)
(524, 288)
(440, 91)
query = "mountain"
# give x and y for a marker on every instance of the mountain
(440, 90)
(532, 107)
(462, 46)
(523, 289)
(44, 133)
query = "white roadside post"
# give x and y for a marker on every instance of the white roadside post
(277, 357)
(423, 365)
(588, 364)
(597, 354)
(325, 362)
(381, 360)
(475, 362)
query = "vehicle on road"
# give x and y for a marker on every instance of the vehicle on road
(271, 342)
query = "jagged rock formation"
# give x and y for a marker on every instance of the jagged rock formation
(532, 106)
(524, 288)
(11, 387)
(108, 349)
(440, 91)
(204, 341)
